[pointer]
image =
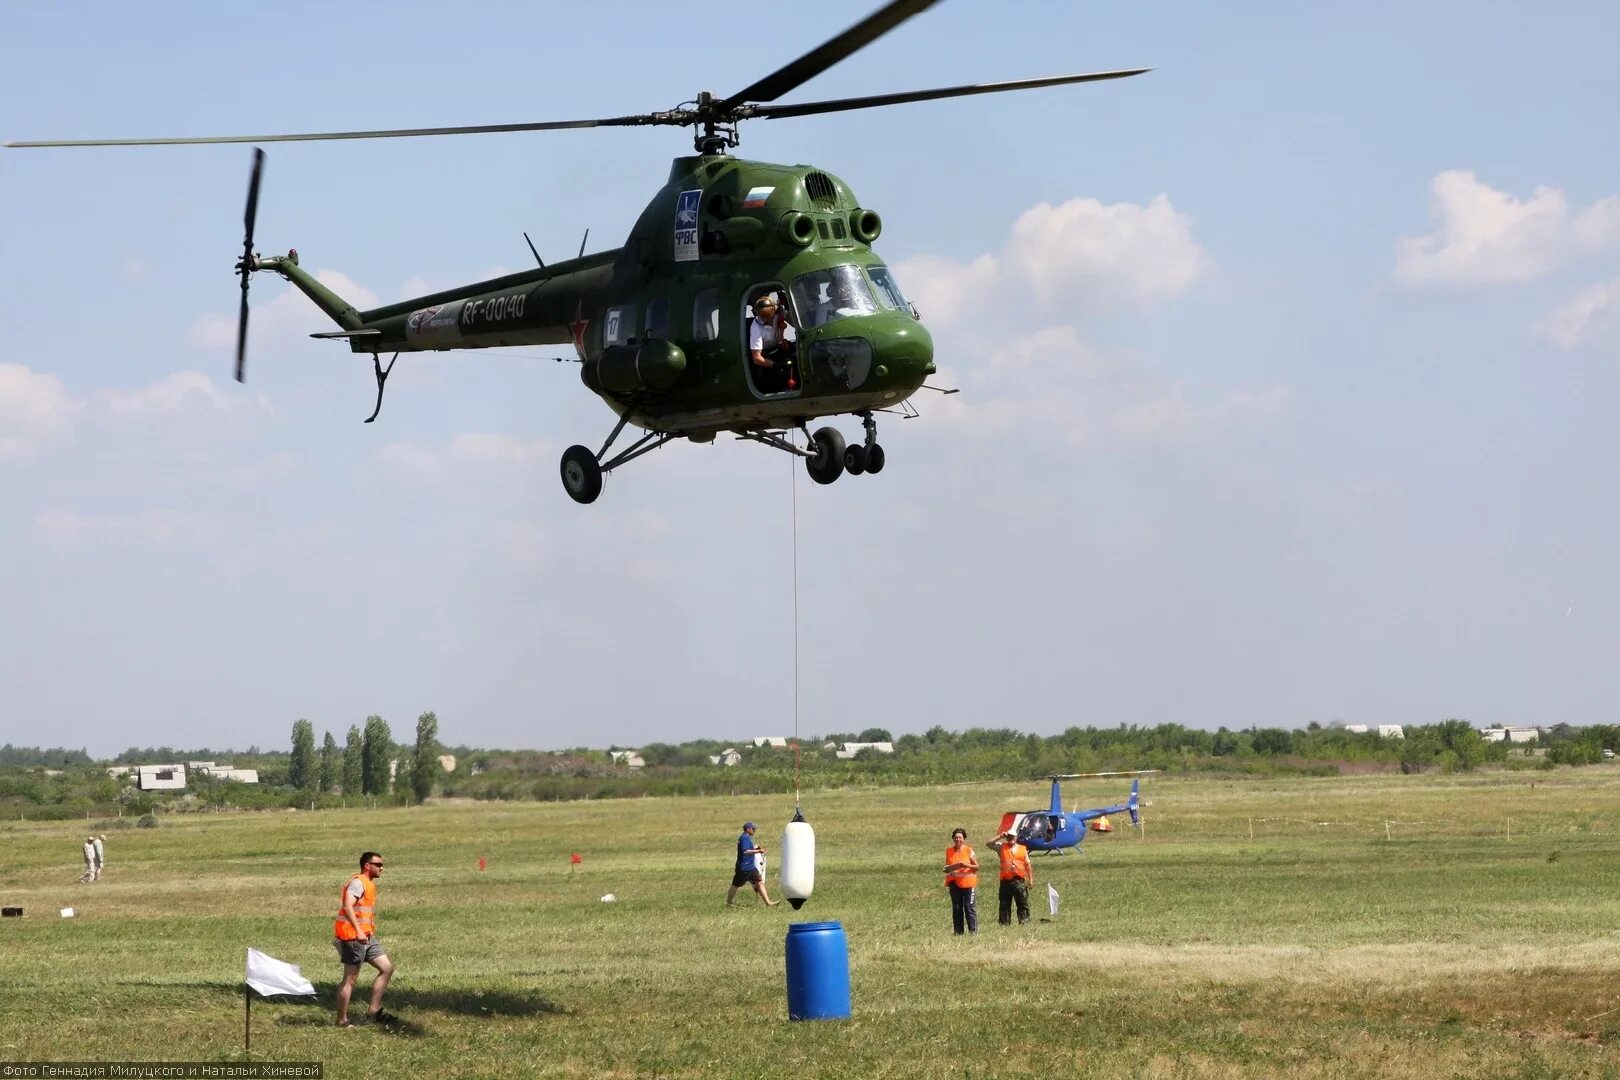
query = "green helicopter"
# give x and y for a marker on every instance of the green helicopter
(662, 325)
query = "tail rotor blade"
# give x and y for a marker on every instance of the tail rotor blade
(246, 266)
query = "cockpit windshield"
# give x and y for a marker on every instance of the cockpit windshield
(834, 293)
(1039, 827)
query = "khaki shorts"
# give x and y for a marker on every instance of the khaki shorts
(355, 953)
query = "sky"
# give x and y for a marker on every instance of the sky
(1288, 373)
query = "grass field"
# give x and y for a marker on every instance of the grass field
(1325, 945)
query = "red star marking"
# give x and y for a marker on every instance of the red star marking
(577, 328)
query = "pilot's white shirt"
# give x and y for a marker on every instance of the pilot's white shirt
(762, 335)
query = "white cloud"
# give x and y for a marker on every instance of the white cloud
(1029, 368)
(1079, 254)
(946, 291)
(1050, 380)
(35, 410)
(1085, 252)
(1485, 236)
(1591, 315)
(155, 528)
(184, 391)
(468, 454)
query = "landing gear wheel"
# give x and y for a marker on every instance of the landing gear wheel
(874, 458)
(855, 460)
(828, 464)
(581, 474)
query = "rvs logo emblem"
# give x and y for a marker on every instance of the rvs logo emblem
(686, 225)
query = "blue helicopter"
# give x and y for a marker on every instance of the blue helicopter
(1054, 830)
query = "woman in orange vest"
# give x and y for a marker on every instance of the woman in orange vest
(355, 936)
(962, 878)
(1016, 877)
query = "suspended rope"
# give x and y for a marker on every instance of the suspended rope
(793, 488)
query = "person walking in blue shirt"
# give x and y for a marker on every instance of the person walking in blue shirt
(747, 870)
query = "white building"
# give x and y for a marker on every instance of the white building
(1510, 734)
(241, 776)
(728, 757)
(447, 762)
(850, 749)
(160, 777)
(775, 742)
(628, 758)
(1392, 731)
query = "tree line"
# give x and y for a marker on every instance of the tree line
(57, 782)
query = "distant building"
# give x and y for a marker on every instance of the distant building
(628, 758)
(447, 762)
(116, 771)
(161, 777)
(241, 776)
(201, 766)
(1388, 731)
(775, 742)
(850, 749)
(1510, 734)
(728, 757)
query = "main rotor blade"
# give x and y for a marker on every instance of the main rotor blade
(819, 59)
(674, 117)
(810, 108)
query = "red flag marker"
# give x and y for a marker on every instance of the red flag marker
(481, 864)
(575, 859)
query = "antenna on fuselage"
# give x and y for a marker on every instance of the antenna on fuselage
(582, 240)
(537, 257)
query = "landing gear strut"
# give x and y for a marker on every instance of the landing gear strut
(866, 456)
(582, 470)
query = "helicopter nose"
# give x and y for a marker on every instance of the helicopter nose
(903, 353)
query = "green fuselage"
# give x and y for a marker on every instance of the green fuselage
(660, 325)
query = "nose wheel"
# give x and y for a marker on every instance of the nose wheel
(865, 456)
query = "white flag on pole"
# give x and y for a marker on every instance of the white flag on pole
(269, 976)
(1052, 899)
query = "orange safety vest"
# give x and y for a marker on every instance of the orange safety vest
(965, 879)
(1015, 862)
(364, 910)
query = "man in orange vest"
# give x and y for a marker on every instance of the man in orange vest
(355, 936)
(962, 877)
(1016, 877)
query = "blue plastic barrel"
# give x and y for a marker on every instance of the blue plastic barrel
(817, 971)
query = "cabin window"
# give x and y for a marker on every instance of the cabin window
(821, 227)
(835, 293)
(706, 315)
(888, 290)
(618, 324)
(657, 320)
(838, 229)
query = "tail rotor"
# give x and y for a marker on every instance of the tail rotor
(249, 261)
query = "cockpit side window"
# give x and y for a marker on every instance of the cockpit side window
(834, 293)
(888, 289)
